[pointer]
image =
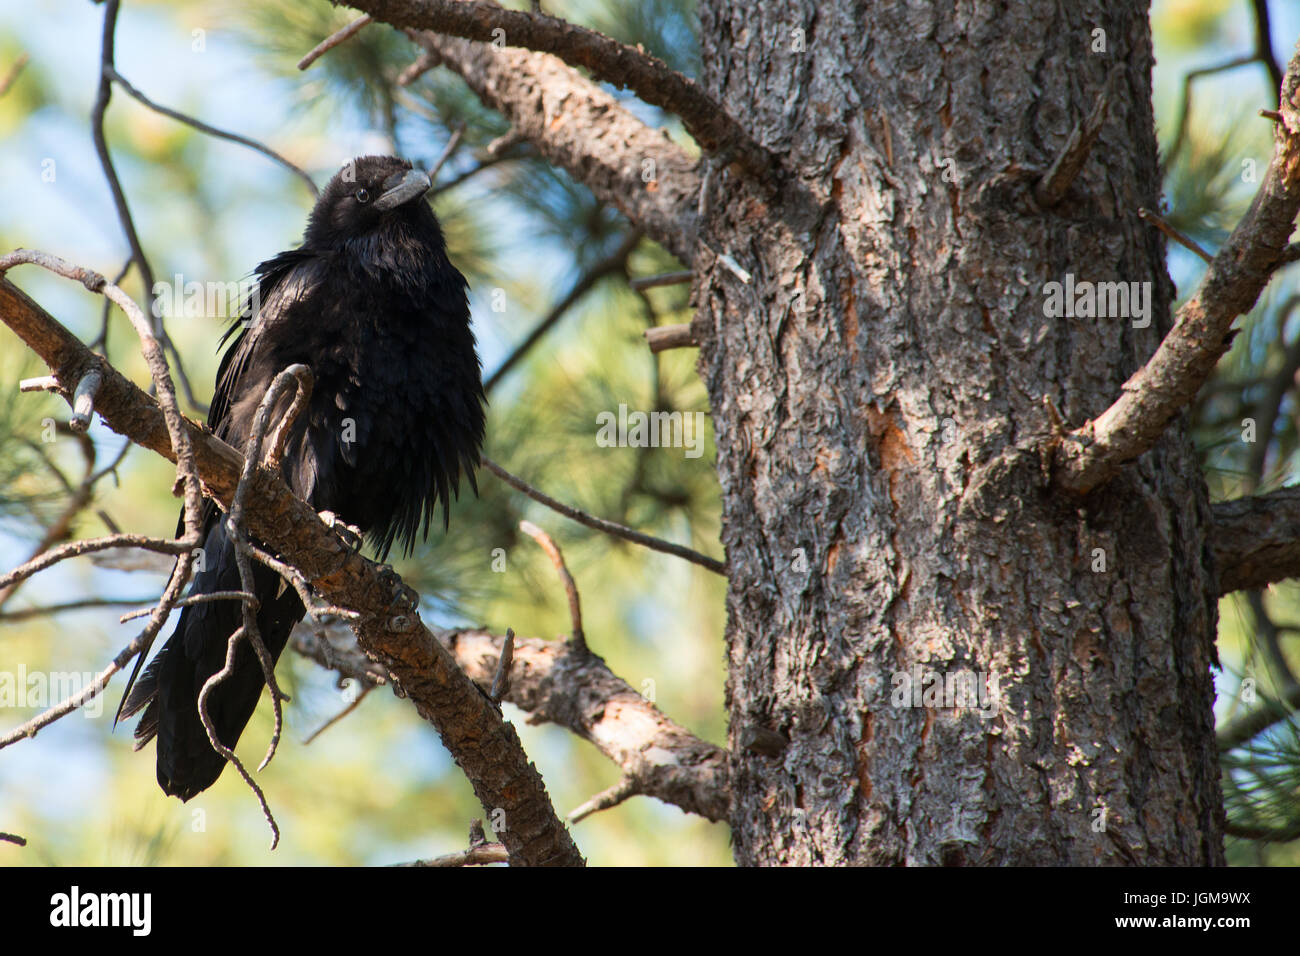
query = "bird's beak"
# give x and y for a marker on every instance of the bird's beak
(413, 184)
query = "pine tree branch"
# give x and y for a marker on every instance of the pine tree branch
(577, 126)
(608, 60)
(1169, 381)
(554, 682)
(1256, 540)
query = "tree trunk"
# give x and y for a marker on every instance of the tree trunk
(878, 391)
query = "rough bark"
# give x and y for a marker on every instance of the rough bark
(878, 393)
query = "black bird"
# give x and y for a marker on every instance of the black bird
(371, 303)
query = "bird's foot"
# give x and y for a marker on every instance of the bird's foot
(405, 597)
(403, 609)
(353, 536)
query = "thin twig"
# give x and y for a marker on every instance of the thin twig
(75, 549)
(13, 838)
(422, 65)
(1262, 834)
(661, 338)
(1172, 233)
(570, 586)
(299, 378)
(139, 646)
(447, 151)
(141, 261)
(1244, 728)
(203, 127)
(469, 174)
(44, 610)
(1264, 43)
(353, 705)
(221, 748)
(589, 279)
(299, 583)
(627, 787)
(664, 278)
(306, 381)
(600, 524)
(195, 599)
(333, 40)
(1180, 134)
(12, 75)
(155, 358)
(186, 468)
(101, 340)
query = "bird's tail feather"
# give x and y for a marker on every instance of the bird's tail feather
(168, 691)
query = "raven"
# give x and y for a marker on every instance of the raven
(372, 304)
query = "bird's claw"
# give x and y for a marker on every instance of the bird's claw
(405, 598)
(353, 536)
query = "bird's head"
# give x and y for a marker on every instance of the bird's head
(369, 195)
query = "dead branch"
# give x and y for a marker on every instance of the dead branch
(1185, 241)
(349, 708)
(208, 685)
(480, 851)
(1051, 189)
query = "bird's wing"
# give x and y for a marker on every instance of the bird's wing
(280, 283)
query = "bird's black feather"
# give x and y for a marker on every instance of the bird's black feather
(372, 304)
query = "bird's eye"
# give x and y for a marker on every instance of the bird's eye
(362, 196)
